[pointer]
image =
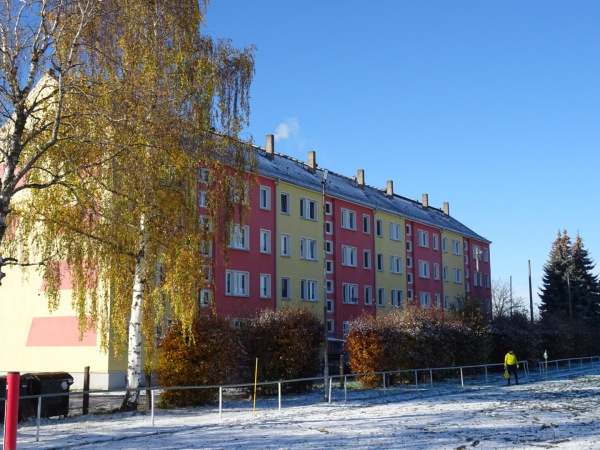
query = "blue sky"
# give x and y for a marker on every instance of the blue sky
(491, 106)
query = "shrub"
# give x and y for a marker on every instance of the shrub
(206, 357)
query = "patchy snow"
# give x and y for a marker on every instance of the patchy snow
(549, 413)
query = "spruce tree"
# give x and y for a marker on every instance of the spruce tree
(570, 289)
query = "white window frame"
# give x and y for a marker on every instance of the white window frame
(409, 246)
(348, 219)
(265, 241)
(379, 228)
(380, 263)
(423, 238)
(309, 249)
(265, 197)
(203, 175)
(284, 205)
(329, 247)
(424, 271)
(240, 237)
(286, 245)
(446, 273)
(381, 297)
(330, 286)
(202, 196)
(396, 265)
(309, 290)
(424, 299)
(329, 266)
(207, 273)
(456, 247)
(350, 293)
(457, 275)
(204, 298)
(408, 229)
(397, 298)
(444, 244)
(436, 271)
(409, 277)
(395, 231)
(330, 306)
(436, 241)
(286, 288)
(368, 290)
(237, 283)
(328, 208)
(349, 256)
(366, 224)
(308, 209)
(328, 227)
(367, 259)
(265, 285)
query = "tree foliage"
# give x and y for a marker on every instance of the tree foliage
(153, 101)
(569, 288)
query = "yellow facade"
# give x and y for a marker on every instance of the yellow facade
(452, 261)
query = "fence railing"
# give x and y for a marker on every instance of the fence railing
(412, 379)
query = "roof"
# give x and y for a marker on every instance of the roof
(293, 171)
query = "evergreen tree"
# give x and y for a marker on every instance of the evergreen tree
(570, 289)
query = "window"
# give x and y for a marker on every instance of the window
(455, 247)
(202, 199)
(265, 286)
(380, 262)
(309, 290)
(265, 197)
(285, 288)
(206, 224)
(329, 305)
(350, 293)
(206, 249)
(395, 234)
(346, 328)
(423, 238)
(286, 249)
(284, 203)
(409, 262)
(207, 273)
(368, 295)
(330, 326)
(486, 255)
(329, 286)
(236, 283)
(424, 269)
(425, 299)
(329, 247)
(436, 241)
(438, 303)
(445, 273)
(409, 246)
(397, 297)
(348, 256)
(329, 227)
(308, 209)
(410, 294)
(348, 219)
(395, 264)
(487, 280)
(308, 249)
(409, 278)
(239, 237)
(204, 298)
(408, 229)
(457, 275)
(379, 227)
(477, 279)
(381, 297)
(446, 301)
(204, 175)
(329, 266)
(445, 244)
(328, 208)
(265, 241)
(366, 224)
(367, 259)
(436, 271)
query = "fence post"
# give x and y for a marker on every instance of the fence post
(416, 380)
(462, 381)
(279, 394)
(341, 371)
(152, 405)
(220, 402)
(148, 395)
(431, 378)
(86, 389)
(11, 416)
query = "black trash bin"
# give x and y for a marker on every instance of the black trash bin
(26, 405)
(51, 383)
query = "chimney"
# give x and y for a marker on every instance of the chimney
(312, 161)
(447, 208)
(361, 178)
(426, 200)
(270, 147)
(390, 189)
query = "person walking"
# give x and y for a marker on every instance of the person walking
(511, 364)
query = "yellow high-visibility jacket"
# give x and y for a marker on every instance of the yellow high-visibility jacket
(511, 359)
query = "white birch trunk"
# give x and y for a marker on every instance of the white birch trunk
(134, 345)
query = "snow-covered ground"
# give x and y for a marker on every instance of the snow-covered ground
(560, 412)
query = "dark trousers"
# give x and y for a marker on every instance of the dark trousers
(512, 370)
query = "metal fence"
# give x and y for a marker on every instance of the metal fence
(341, 388)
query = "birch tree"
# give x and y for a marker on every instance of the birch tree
(34, 84)
(169, 102)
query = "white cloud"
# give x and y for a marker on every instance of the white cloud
(289, 127)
